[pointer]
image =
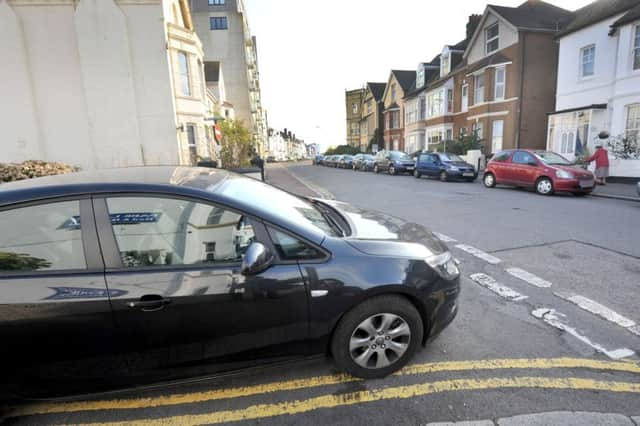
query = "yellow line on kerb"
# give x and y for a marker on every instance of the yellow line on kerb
(402, 392)
(312, 382)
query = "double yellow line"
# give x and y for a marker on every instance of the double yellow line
(328, 401)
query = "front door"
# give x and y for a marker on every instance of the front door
(181, 298)
(524, 168)
(56, 325)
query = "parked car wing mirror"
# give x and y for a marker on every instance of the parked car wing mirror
(533, 163)
(256, 259)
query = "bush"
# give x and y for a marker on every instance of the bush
(236, 146)
(33, 168)
(342, 150)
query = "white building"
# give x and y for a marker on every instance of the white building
(598, 81)
(101, 83)
(223, 27)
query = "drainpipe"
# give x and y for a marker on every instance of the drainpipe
(522, 56)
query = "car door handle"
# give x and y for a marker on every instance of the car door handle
(149, 303)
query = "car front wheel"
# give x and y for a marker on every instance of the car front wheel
(416, 174)
(489, 180)
(443, 176)
(377, 337)
(392, 170)
(544, 186)
(375, 168)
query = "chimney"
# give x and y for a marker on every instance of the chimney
(474, 20)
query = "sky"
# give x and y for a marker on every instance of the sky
(310, 52)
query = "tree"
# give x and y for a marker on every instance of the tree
(342, 149)
(626, 147)
(10, 261)
(463, 144)
(236, 145)
(376, 139)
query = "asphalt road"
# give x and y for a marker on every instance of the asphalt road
(548, 321)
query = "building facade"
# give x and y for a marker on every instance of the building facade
(599, 82)
(108, 84)
(398, 84)
(372, 115)
(353, 104)
(223, 27)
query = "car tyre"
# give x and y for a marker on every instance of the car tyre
(489, 180)
(544, 186)
(376, 169)
(367, 354)
(444, 176)
(392, 170)
(416, 174)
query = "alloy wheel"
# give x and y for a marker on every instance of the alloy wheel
(544, 186)
(489, 180)
(379, 341)
(392, 170)
(443, 176)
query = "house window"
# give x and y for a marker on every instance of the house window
(218, 23)
(449, 100)
(423, 108)
(354, 108)
(444, 65)
(636, 49)
(588, 60)
(191, 140)
(185, 82)
(465, 98)
(420, 78)
(633, 121)
(216, 2)
(478, 89)
(496, 136)
(492, 36)
(393, 92)
(435, 101)
(500, 83)
(369, 106)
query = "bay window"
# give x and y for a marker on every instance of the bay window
(632, 129)
(478, 89)
(499, 83)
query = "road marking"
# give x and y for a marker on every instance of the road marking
(503, 291)
(479, 254)
(445, 238)
(262, 411)
(597, 309)
(529, 277)
(552, 317)
(312, 382)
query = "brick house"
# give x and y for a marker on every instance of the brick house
(353, 104)
(371, 113)
(399, 83)
(505, 85)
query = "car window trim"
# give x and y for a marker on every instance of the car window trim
(280, 261)
(109, 245)
(90, 246)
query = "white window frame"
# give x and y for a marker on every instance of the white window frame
(500, 85)
(497, 140)
(184, 73)
(354, 108)
(636, 49)
(449, 101)
(464, 105)
(490, 40)
(445, 65)
(583, 63)
(632, 130)
(476, 92)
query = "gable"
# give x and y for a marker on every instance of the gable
(507, 36)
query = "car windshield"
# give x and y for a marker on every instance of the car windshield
(289, 207)
(347, 157)
(368, 157)
(452, 158)
(552, 159)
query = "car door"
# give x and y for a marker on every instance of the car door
(176, 263)
(523, 168)
(501, 167)
(54, 302)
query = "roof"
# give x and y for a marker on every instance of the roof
(405, 78)
(535, 15)
(630, 16)
(377, 90)
(392, 107)
(582, 108)
(597, 11)
(461, 45)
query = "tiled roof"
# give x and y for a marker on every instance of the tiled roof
(535, 15)
(405, 78)
(377, 89)
(597, 11)
(462, 45)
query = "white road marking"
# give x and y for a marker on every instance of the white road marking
(635, 330)
(598, 309)
(479, 254)
(444, 238)
(488, 282)
(552, 317)
(529, 277)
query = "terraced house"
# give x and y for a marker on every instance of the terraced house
(398, 84)
(371, 113)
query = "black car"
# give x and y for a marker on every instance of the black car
(133, 275)
(393, 162)
(346, 162)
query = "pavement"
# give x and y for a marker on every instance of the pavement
(547, 332)
(624, 191)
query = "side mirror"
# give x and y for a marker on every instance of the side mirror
(256, 259)
(533, 163)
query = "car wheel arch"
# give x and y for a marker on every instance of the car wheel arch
(395, 290)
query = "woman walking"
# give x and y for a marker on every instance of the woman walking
(601, 157)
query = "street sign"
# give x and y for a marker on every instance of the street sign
(217, 133)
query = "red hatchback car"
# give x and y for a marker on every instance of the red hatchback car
(544, 171)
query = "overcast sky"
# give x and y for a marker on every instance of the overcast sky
(309, 52)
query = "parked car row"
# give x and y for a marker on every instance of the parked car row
(544, 171)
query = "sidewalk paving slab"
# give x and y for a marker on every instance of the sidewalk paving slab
(567, 418)
(624, 191)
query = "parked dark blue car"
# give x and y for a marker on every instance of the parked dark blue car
(445, 166)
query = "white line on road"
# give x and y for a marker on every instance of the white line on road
(444, 238)
(552, 317)
(479, 254)
(597, 309)
(488, 282)
(529, 277)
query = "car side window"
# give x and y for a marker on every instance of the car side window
(501, 157)
(292, 248)
(424, 158)
(43, 237)
(153, 231)
(522, 157)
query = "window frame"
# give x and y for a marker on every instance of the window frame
(628, 109)
(635, 48)
(216, 2)
(488, 40)
(476, 79)
(180, 54)
(218, 19)
(464, 98)
(503, 84)
(88, 236)
(582, 63)
(324, 254)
